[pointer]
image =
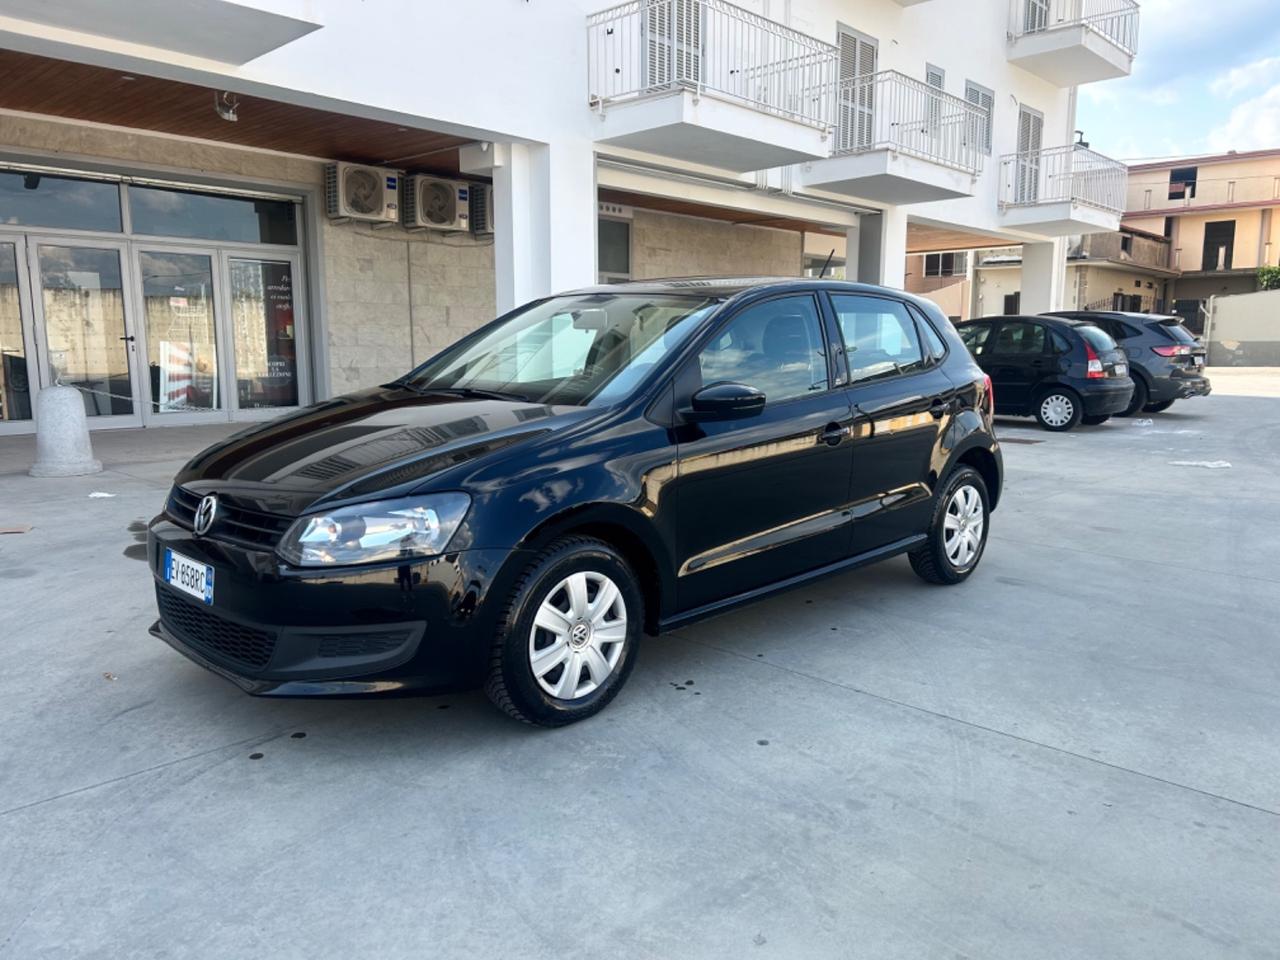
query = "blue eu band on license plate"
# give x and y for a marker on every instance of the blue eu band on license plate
(192, 578)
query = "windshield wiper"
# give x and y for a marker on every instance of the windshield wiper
(471, 393)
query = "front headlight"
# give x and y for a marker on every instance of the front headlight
(369, 532)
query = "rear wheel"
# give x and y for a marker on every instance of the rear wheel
(1094, 421)
(958, 533)
(1139, 399)
(1059, 409)
(1158, 407)
(567, 639)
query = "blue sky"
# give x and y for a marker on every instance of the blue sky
(1207, 79)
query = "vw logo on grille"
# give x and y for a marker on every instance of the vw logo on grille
(205, 513)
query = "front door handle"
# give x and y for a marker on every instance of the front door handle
(129, 338)
(832, 434)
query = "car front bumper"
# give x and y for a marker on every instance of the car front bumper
(379, 629)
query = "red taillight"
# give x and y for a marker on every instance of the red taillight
(989, 394)
(1095, 371)
(1175, 350)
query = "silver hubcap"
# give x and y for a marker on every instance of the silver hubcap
(578, 635)
(962, 528)
(1057, 410)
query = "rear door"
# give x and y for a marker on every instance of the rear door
(902, 401)
(1017, 357)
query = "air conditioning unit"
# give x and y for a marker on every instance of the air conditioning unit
(358, 192)
(436, 204)
(481, 209)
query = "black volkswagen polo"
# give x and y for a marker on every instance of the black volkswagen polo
(518, 511)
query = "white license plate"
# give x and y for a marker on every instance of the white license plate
(1122, 369)
(182, 573)
(1199, 361)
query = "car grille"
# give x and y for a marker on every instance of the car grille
(360, 644)
(211, 633)
(233, 522)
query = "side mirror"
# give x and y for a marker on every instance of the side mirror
(725, 401)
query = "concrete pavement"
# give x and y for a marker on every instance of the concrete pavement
(1074, 755)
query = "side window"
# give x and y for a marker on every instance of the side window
(774, 346)
(1123, 332)
(880, 337)
(975, 336)
(1018, 337)
(1060, 343)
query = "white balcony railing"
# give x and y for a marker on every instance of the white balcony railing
(1063, 175)
(891, 111)
(1117, 20)
(649, 47)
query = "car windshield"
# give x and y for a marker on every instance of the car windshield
(590, 348)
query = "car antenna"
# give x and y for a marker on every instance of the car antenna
(827, 266)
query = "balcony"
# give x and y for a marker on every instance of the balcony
(707, 82)
(1069, 42)
(1062, 191)
(899, 140)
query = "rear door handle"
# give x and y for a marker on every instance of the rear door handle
(832, 434)
(940, 408)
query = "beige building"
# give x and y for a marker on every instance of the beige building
(1219, 215)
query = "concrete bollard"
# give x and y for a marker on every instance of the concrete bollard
(62, 435)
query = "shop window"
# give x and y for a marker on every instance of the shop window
(39, 200)
(614, 250)
(158, 212)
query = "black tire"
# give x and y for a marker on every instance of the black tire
(931, 562)
(1074, 408)
(1139, 399)
(1095, 421)
(1160, 406)
(511, 684)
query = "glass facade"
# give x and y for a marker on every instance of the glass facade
(161, 212)
(64, 203)
(15, 388)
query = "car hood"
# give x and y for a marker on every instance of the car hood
(385, 440)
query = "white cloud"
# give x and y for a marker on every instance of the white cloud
(1162, 96)
(1259, 73)
(1252, 125)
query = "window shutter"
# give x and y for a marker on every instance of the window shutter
(935, 76)
(1030, 132)
(657, 27)
(984, 100)
(857, 105)
(673, 42)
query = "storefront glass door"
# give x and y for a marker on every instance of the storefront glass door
(180, 303)
(16, 391)
(83, 325)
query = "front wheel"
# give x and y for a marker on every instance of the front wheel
(1059, 409)
(958, 533)
(567, 638)
(1158, 407)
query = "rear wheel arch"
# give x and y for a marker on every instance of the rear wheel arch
(984, 461)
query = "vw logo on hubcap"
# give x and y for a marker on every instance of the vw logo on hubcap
(580, 635)
(205, 513)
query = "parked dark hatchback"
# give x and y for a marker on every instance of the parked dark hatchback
(1166, 361)
(520, 509)
(1061, 372)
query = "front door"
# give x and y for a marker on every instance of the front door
(1017, 358)
(83, 323)
(901, 396)
(762, 499)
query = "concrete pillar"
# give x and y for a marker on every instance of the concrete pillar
(62, 435)
(882, 248)
(1044, 276)
(544, 204)
(852, 248)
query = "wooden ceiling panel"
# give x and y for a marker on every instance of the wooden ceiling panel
(77, 91)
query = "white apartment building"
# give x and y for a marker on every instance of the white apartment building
(176, 242)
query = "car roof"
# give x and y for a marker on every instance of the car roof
(1121, 314)
(1038, 318)
(724, 288)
